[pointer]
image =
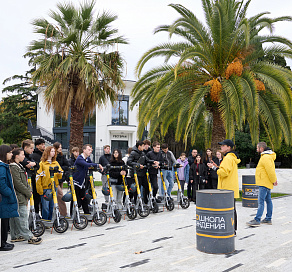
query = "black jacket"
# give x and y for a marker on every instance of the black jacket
(191, 160)
(72, 160)
(148, 150)
(104, 160)
(61, 159)
(202, 171)
(26, 161)
(136, 158)
(115, 173)
(211, 173)
(37, 155)
(154, 157)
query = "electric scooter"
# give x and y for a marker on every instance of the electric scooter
(111, 209)
(166, 200)
(143, 209)
(182, 200)
(151, 199)
(98, 217)
(129, 207)
(79, 221)
(58, 222)
(35, 224)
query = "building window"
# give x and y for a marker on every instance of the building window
(90, 121)
(60, 121)
(120, 111)
(62, 138)
(89, 138)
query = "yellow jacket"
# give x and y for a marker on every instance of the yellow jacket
(228, 174)
(43, 179)
(265, 171)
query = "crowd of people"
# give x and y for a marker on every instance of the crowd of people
(34, 159)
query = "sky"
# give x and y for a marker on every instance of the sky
(136, 21)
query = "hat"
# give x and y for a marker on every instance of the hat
(227, 142)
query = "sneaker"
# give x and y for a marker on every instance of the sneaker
(253, 223)
(19, 239)
(265, 221)
(35, 240)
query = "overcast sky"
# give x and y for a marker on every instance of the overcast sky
(136, 21)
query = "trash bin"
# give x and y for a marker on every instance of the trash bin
(250, 192)
(215, 221)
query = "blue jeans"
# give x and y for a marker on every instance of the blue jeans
(47, 207)
(264, 195)
(168, 179)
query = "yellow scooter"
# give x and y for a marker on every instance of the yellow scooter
(35, 224)
(181, 199)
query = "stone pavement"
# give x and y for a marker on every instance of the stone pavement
(166, 242)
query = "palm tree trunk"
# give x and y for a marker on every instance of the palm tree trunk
(218, 130)
(76, 126)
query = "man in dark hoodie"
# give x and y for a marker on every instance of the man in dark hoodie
(155, 155)
(138, 159)
(147, 147)
(104, 161)
(36, 157)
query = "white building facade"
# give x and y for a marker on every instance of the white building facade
(114, 125)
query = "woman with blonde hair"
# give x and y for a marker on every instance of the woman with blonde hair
(43, 180)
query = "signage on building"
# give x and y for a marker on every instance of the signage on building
(120, 136)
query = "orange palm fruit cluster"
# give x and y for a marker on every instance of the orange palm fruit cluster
(260, 85)
(215, 89)
(235, 67)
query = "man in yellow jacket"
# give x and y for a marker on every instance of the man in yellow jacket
(266, 179)
(228, 172)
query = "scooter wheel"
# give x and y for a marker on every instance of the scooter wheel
(83, 222)
(102, 219)
(145, 212)
(184, 203)
(40, 228)
(155, 208)
(132, 214)
(170, 205)
(118, 216)
(63, 225)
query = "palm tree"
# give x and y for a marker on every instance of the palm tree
(73, 60)
(216, 81)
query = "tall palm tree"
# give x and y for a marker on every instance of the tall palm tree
(75, 61)
(212, 79)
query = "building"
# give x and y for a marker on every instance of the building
(113, 125)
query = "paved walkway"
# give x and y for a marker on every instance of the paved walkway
(166, 242)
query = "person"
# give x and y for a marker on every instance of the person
(129, 179)
(75, 153)
(198, 178)
(13, 146)
(154, 155)
(104, 161)
(212, 175)
(82, 163)
(61, 159)
(116, 176)
(147, 147)
(167, 172)
(36, 156)
(228, 172)
(138, 159)
(191, 159)
(183, 172)
(8, 201)
(217, 161)
(28, 147)
(19, 229)
(266, 179)
(43, 180)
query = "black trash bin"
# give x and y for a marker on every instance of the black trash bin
(250, 192)
(215, 221)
